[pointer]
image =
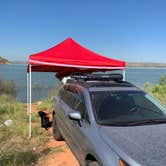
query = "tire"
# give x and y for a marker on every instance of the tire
(56, 133)
(93, 163)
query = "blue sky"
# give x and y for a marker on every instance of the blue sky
(132, 30)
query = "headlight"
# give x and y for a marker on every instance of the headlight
(122, 163)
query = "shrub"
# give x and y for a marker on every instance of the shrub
(162, 80)
(7, 87)
(158, 90)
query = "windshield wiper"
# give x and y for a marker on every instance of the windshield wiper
(108, 123)
(144, 122)
(135, 123)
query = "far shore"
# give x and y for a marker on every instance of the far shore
(146, 64)
(129, 64)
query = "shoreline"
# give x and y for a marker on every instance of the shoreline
(128, 64)
(131, 65)
(152, 67)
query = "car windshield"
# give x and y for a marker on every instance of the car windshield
(126, 108)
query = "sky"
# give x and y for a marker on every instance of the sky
(131, 30)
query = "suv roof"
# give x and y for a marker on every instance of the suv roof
(99, 80)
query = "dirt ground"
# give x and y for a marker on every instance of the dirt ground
(58, 153)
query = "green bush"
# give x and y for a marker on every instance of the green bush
(7, 87)
(162, 80)
(158, 90)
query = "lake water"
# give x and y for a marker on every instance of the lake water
(43, 83)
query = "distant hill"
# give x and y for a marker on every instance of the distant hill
(3, 60)
(18, 62)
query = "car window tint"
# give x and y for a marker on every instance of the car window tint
(140, 101)
(74, 101)
(81, 107)
(67, 97)
(125, 106)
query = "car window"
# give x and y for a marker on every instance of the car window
(140, 101)
(74, 101)
(125, 106)
(81, 107)
(68, 97)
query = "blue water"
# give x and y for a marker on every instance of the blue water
(43, 83)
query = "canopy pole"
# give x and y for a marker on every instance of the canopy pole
(30, 102)
(124, 75)
(27, 93)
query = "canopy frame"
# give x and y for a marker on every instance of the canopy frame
(64, 59)
(29, 100)
(29, 96)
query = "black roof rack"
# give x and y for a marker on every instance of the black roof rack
(98, 77)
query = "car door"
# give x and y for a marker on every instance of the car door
(63, 108)
(73, 130)
(78, 129)
(67, 105)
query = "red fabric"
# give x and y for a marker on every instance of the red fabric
(69, 57)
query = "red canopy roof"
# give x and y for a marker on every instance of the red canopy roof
(69, 57)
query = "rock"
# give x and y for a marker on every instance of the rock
(39, 102)
(8, 122)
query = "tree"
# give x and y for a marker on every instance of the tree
(162, 80)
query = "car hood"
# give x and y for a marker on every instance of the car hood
(145, 145)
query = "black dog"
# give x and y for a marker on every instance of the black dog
(45, 121)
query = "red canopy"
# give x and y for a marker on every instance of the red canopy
(69, 57)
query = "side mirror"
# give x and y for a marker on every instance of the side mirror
(75, 115)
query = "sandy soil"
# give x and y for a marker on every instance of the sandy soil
(58, 154)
